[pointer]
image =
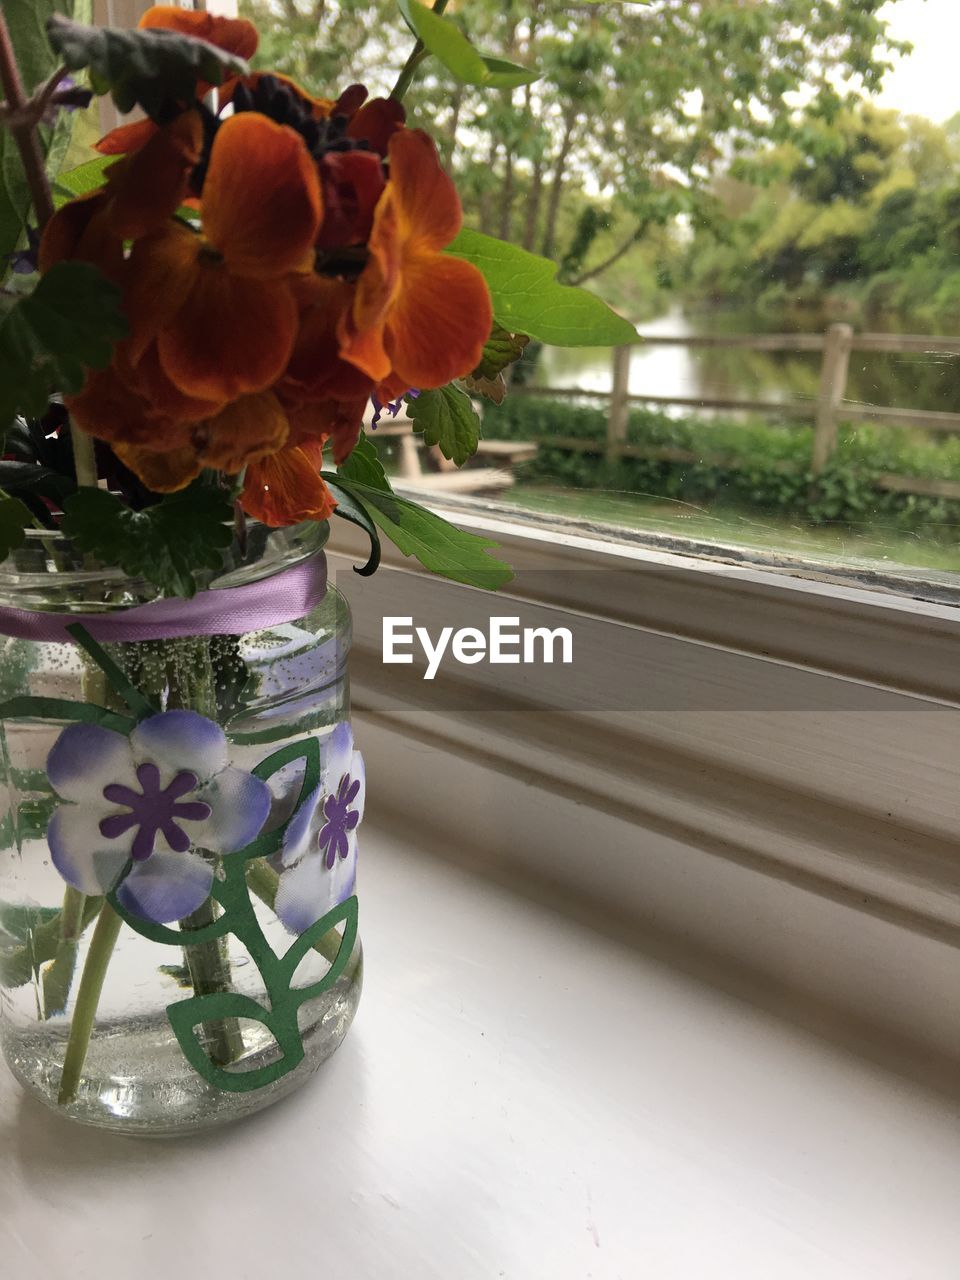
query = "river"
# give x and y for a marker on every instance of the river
(915, 381)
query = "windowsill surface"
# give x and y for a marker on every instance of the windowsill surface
(519, 1098)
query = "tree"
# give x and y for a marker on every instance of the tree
(639, 105)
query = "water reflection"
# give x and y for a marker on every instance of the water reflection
(924, 380)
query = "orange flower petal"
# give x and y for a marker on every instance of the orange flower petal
(149, 185)
(161, 472)
(351, 100)
(285, 489)
(261, 198)
(316, 370)
(109, 410)
(427, 204)
(352, 185)
(248, 429)
(439, 322)
(327, 419)
(235, 35)
(165, 399)
(82, 229)
(376, 122)
(233, 335)
(126, 138)
(161, 271)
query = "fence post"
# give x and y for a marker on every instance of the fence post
(619, 405)
(833, 386)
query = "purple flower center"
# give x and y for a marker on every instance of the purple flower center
(154, 811)
(341, 820)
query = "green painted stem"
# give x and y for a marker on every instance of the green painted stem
(88, 998)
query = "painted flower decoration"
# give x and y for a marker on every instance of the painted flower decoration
(318, 860)
(152, 800)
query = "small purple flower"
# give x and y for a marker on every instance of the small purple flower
(151, 799)
(391, 406)
(341, 820)
(318, 860)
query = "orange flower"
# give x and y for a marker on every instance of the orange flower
(140, 194)
(286, 487)
(243, 432)
(235, 35)
(220, 306)
(417, 313)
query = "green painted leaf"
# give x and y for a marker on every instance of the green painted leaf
(527, 298)
(447, 418)
(14, 519)
(445, 41)
(364, 465)
(349, 509)
(37, 62)
(50, 338)
(167, 544)
(439, 546)
(143, 68)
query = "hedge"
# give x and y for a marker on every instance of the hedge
(750, 463)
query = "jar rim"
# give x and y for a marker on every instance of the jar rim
(32, 578)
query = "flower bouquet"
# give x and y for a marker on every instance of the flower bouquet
(194, 322)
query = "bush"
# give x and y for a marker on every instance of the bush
(755, 464)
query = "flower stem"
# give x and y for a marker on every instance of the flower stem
(208, 964)
(58, 977)
(88, 998)
(417, 55)
(24, 131)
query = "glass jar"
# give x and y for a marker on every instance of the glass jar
(178, 943)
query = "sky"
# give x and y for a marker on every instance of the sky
(926, 82)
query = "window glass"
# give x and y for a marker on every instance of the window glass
(771, 192)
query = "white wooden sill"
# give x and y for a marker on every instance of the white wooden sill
(762, 768)
(519, 1097)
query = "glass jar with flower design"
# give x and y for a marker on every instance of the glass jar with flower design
(178, 916)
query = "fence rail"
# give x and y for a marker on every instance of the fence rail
(826, 411)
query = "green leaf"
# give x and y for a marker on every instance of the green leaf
(86, 177)
(14, 519)
(145, 67)
(349, 509)
(37, 62)
(446, 418)
(527, 298)
(445, 41)
(501, 349)
(167, 544)
(50, 338)
(364, 465)
(28, 477)
(439, 546)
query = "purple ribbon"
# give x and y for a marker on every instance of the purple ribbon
(228, 611)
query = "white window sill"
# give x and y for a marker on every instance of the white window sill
(519, 1097)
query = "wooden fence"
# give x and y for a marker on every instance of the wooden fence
(826, 411)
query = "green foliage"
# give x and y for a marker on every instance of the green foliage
(141, 68)
(348, 508)
(168, 544)
(446, 418)
(50, 337)
(364, 466)
(754, 464)
(501, 349)
(527, 298)
(438, 545)
(445, 41)
(37, 62)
